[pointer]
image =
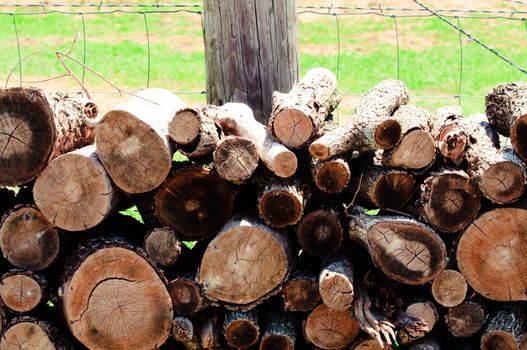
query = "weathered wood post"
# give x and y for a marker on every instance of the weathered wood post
(251, 51)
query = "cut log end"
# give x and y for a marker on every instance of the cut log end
(186, 296)
(285, 164)
(465, 319)
(452, 143)
(518, 139)
(26, 335)
(449, 288)
(301, 294)
(242, 334)
(276, 342)
(332, 176)
(503, 182)
(21, 292)
(415, 151)
(388, 133)
(319, 151)
(163, 246)
(280, 208)
(235, 159)
(185, 127)
(293, 128)
(331, 329)
(426, 310)
(394, 190)
(498, 340)
(319, 233)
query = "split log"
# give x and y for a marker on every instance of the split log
(194, 202)
(416, 149)
(490, 254)
(237, 119)
(235, 159)
(449, 199)
(132, 140)
(301, 292)
(335, 281)
(163, 246)
(424, 310)
(241, 328)
(297, 116)
(404, 249)
(245, 263)
(449, 288)
(183, 331)
(450, 134)
(506, 108)
(30, 333)
(75, 192)
(35, 128)
(500, 175)
(113, 298)
(332, 175)
(28, 241)
(279, 331)
(319, 233)
(281, 203)
(504, 328)
(194, 130)
(370, 127)
(22, 291)
(331, 329)
(466, 319)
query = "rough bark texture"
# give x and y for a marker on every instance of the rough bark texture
(282, 203)
(241, 328)
(506, 108)
(504, 328)
(194, 130)
(370, 127)
(332, 175)
(404, 249)
(335, 281)
(22, 291)
(279, 331)
(251, 51)
(27, 239)
(449, 133)
(237, 119)
(466, 319)
(245, 263)
(490, 254)
(500, 174)
(298, 116)
(163, 246)
(450, 200)
(31, 333)
(449, 288)
(209, 332)
(320, 233)
(416, 149)
(235, 159)
(132, 140)
(75, 192)
(35, 128)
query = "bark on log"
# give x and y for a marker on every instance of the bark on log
(301, 292)
(466, 319)
(506, 108)
(449, 288)
(281, 203)
(490, 254)
(113, 298)
(194, 202)
(370, 127)
(416, 149)
(330, 329)
(163, 246)
(504, 328)
(22, 291)
(319, 233)
(500, 174)
(251, 51)
(194, 130)
(298, 116)
(450, 134)
(279, 331)
(241, 328)
(28, 241)
(404, 249)
(245, 263)
(335, 281)
(332, 175)
(208, 327)
(449, 199)
(30, 333)
(237, 119)
(35, 128)
(235, 159)
(184, 332)
(75, 192)
(132, 140)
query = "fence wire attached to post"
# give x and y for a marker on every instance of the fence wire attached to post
(18, 48)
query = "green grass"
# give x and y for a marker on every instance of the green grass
(429, 53)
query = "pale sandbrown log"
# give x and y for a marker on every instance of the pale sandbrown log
(504, 328)
(235, 159)
(320, 233)
(281, 203)
(370, 127)
(332, 175)
(27, 239)
(298, 116)
(22, 291)
(75, 192)
(132, 140)
(37, 127)
(241, 328)
(466, 319)
(450, 134)
(31, 333)
(449, 288)
(163, 246)
(335, 281)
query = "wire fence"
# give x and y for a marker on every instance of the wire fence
(451, 17)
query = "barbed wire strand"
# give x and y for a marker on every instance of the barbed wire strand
(460, 63)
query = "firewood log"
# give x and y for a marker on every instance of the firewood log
(208, 326)
(184, 332)
(404, 249)
(235, 159)
(75, 192)
(449, 288)
(113, 297)
(279, 331)
(297, 116)
(31, 333)
(506, 108)
(450, 134)
(331, 175)
(500, 174)
(22, 291)
(132, 140)
(245, 263)
(490, 254)
(421, 309)
(335, 280)
(466, 319)
(504, 328)
(416, 149)
(300, 292)
(427, 343)
(319, 233)
(365, 343)
(37, 127)
(241, 328)
(163, 246)
(370, 127)
(27, 240)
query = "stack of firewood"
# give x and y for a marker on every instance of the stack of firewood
(398, 229)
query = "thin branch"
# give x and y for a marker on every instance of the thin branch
(18, 64)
